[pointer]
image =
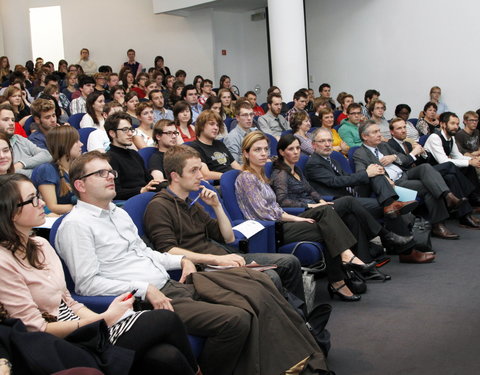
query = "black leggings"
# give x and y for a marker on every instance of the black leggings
(161, 346)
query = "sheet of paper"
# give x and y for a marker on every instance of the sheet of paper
(405, 195)
(249, 228)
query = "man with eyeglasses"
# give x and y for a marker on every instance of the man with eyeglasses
(234, 139)
(133, 178)
(165, 135)
(101, 247)
(207, 88)
(328, 177)
(349, 129)
(468, 138)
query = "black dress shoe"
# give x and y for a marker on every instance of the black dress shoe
(393, 239)
(375, 275)
(358, 267)
(467, 221)
(332, 291)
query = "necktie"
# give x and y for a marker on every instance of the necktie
(280, 124)
(376, 153)
(349, 189)
(405, 148)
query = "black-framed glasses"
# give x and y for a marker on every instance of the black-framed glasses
(170, 133)
(101, 173)
(35, 201)
(126, 130)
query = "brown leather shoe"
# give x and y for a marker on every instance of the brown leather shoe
(416, 257)
(468, 221)
(399, 208)
(441, 231)
(453, 202)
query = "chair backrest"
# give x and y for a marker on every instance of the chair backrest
(84, 134)
(413, 120)
(273, 144)
(227, 184)
(264, 107)
(268, 169)
(288, 131)
(338, 156)
(302, 162)
(423, 139)
(135, 207)
(27, 125)
(146, 153)
(336, 113)
(74, 120)
(350, 157)
(51, 238)
(290, 105)
(228, 122)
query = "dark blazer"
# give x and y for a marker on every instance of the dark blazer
(363, 157)
(394, 144)
(326, 181)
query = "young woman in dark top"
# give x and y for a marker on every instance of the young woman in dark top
(293, 190)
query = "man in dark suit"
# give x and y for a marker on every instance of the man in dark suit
(327, 176)
(457, 182)
(423, 178)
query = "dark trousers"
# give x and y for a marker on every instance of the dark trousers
(160, 342)
(328, 228)
(225, 327)
(361, 223)
(458, 183)
(430, 186)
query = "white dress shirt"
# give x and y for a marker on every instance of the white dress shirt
(434, 145)
(393, 171)
(106, 256)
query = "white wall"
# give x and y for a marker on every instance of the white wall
(109, 27)
(184, 42)
(400, 48)
(245, 41)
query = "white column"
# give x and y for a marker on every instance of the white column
(16, 31)
(288, 50)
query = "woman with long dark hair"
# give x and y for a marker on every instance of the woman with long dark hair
(94, 116)
(6, 155)
(33, 290)
(293, 190)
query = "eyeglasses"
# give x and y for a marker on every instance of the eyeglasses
(35, 201)
(101, 173)
(472, 120)
(322, 141)
(175, 133)
(251, 114)
(126, 130)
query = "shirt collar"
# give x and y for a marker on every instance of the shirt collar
(95, 210)
(372, 149)
(398, 141)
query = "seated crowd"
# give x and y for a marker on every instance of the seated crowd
(81, 140)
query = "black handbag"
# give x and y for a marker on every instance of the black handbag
(355, 282)
(422, 233)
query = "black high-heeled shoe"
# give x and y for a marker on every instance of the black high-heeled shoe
(336, 291)
(359, 267)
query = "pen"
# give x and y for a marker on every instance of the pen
(194, 201)
(130, 295)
